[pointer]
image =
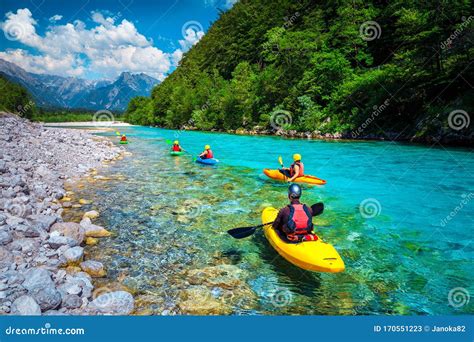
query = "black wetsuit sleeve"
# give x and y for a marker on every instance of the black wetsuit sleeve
(277, 224)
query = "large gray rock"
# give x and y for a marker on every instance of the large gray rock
(6, 257)
(47, 297)
(74, 255)
(114, 303)
(43, 221)
(25, 306)
(56, 241)
(5, 237)
(70, 229)
(37, 277)
(12, 277)
(71, 301)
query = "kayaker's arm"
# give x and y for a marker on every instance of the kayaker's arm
(297, 171)
(278, 221)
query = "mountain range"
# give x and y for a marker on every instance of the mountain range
(51, 91)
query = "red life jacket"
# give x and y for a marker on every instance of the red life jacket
(176, 148)
(123, 139)
(292, 169)
(209, 155)
(300, 221)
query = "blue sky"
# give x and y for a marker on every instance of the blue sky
(100, 39)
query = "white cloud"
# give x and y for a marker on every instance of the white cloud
(106, 49)
(230, 3)
(227, 4)
(55, 18)
(68, 65)
(192, 38)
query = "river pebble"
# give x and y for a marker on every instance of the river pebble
(35, 164)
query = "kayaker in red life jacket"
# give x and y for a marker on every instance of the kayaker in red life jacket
(123, 138)
(176, 147)
(207, 154)
(296, 219)
(295, 170)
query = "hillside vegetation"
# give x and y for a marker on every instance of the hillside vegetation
(360, 68)
(15, 99)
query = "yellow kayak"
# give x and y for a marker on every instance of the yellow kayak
(277, 175)
(315, 256)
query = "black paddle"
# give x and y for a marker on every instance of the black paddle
(243, 232)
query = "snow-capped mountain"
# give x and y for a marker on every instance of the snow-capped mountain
(70, 92)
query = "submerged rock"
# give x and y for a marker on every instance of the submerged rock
(90, 241)
(215, 290)
(113, 303)
(93, 268)
(93, 230)
(93, 214)
(198, 300)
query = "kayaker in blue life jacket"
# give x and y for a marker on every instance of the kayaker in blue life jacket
(295, 220)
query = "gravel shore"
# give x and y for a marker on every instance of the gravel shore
(42, 266)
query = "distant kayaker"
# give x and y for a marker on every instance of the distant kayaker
(123, 138)
(295, 220)
(176, 147)
(295, 170)
(207, 154)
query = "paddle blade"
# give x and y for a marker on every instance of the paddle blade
(118, 133)
(240, 233)
(169, 142)
(317, 209)
(280, 160)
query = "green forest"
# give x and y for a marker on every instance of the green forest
(15, 99)
(357, 68)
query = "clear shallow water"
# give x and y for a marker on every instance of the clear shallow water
(169, 215)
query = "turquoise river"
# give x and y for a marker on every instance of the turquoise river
(401, 217)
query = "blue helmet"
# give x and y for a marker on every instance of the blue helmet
(294, 191)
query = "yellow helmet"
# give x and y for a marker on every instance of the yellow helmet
(176, 142)
(296, 156)
(207, 147)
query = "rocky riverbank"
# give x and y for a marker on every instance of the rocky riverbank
(43, 270)
(443, 136)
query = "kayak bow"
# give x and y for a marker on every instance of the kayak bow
(317, 256)
(277, 175)
(209, 161)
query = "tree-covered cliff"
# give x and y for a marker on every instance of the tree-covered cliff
(352, 67)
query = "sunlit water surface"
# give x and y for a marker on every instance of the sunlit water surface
(169, 214)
